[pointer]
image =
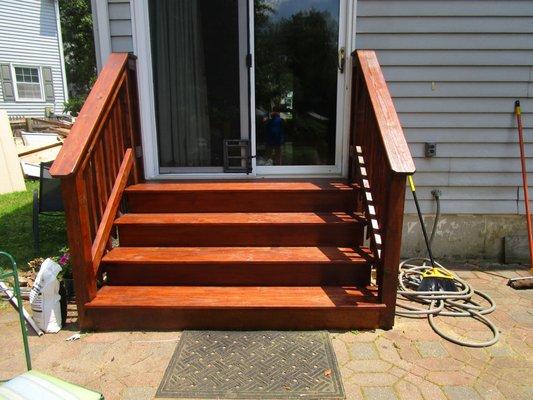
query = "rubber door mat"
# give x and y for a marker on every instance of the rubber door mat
(253, 365)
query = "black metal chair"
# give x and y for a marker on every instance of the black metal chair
(46, 201)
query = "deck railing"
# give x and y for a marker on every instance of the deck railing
(98, 159)
(380, 162)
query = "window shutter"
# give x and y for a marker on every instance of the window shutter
(7, 82)
(48, 84)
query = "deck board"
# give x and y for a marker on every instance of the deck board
(223, 297)
(223, 255)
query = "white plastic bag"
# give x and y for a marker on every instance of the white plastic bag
(44, 297)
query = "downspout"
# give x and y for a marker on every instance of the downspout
(61, 52)
(101, 31)
(96, 36)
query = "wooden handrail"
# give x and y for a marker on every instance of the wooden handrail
(380, 162)
(394, 143)
(101, 155)
(91, 117)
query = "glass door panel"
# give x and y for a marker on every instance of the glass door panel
(296, 69)
(199, 88)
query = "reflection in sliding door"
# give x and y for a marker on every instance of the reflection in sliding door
(196, 72)
(296, 56)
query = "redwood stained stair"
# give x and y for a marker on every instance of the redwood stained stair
(235, 307)
(240, 229)
(231, 266)
(299, 268)
(249, 254)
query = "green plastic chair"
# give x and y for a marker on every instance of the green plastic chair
(34, 384)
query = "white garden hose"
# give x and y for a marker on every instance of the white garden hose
(440, 303)
(458, 303)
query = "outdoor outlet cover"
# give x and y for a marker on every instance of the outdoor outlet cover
(431, 149)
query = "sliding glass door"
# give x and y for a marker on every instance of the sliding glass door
(298, 63)
(267, 71)
(200, 80)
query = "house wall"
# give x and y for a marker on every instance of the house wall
(29, 35)
(454, 69)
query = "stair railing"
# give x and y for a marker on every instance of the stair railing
(380, 162)
(100, 156)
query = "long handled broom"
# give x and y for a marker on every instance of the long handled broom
(523, 282)
(434, 279)
(518, 114)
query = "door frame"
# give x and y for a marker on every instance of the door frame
(142, 48)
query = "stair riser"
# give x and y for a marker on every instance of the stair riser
(241, 201)
(154, 318)
(249, 274)
(197, 235)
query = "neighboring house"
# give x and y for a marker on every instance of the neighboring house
(32, 67)
(454, 69)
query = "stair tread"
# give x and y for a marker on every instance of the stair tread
(241, 218)
(221, 255)
(252, 185)
(223, 297)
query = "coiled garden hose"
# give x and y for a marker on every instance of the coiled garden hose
(458, 303)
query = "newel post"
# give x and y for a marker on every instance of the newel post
(79, 239)
(133, 117)
(394, 209)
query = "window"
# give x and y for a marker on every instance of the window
(28, 83)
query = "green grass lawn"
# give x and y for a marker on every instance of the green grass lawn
(16, 235)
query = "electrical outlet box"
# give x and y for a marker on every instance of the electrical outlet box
(431, 149)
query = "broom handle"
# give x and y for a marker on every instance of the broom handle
(426, 238)
(518, 113)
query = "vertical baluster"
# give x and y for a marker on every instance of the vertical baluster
(119, 121)
(97, 206)
(105, 171)
(119, 152)
(117, 143)
(124, 137)
(132, 118)
(88, 176)
(110, 145)
(100, 178)
(107, 152)
(120, 136)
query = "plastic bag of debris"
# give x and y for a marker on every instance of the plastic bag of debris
(45, 298)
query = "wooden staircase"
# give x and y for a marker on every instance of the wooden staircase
(249, 254)
(287, 259)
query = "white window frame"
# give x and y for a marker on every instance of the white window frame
(15, 83)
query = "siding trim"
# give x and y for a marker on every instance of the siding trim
(61, 52)
(102, 31)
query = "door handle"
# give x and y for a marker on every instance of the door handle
(342, 59)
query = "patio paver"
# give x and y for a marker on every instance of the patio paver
(407, 362)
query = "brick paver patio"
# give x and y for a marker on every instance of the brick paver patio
(408, 362)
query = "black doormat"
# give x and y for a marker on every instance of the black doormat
(253, 365)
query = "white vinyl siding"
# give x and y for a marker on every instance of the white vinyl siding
(29, 37)
(454, 69)
(120, 25)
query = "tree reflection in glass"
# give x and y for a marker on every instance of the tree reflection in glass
(296, 45)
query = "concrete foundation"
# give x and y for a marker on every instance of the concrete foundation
(462, 237)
